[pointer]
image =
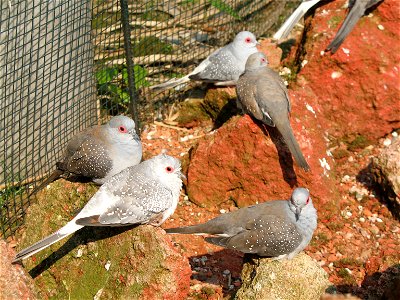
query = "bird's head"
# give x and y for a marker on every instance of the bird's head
(300, 199)
(167, 170)
(256, 60)
(245, 39)
(123, 127)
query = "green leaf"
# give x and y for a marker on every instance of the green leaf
(224, 7)
(106, 75)
(140, 76)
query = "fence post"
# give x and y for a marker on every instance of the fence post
(126, 28)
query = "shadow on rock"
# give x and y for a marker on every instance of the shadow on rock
(378, 285)
(83, 236)
(220, 268)
(375, 180)
(284, 155)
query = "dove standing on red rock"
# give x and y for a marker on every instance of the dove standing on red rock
(100, 152)
(294, 18)
(262, 94)
(278, 229)
(147, 193)
(357, 10)
(223, 66)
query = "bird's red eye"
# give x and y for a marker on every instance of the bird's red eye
(247, 40)
(122, 129)
(169, 169)
(263, 59)
(308, 200)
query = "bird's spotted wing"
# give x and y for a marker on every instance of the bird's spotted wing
(222, 66)
(138, 201)
(269, 236)
(89, 159)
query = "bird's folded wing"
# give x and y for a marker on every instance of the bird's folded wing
(269, 236)
(135, 202)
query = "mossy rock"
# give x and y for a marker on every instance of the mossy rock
(299, 278)
(192, 113)
(109, 263)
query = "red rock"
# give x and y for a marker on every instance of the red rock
(366, 90)
(14, 283)
(244, 166)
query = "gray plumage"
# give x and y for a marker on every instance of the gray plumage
(147, 193)
(357, 10)
(278, 229)
(294, 18)
(262, 94)
(222, 67)
(99, 152)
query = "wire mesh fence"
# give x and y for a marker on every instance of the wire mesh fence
(67, 65)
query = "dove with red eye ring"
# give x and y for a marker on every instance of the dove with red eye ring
(278, 229)
(147, 193)
(222, 67)
(99, 152)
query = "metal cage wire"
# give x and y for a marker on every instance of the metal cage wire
(67, 65)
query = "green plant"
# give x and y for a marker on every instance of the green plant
(113, 82)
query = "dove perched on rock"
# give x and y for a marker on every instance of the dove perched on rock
(279, 229)
(147, 193)
(99, 152)
(223, 66)
(262, 94)
(357, 10)
(294, 18)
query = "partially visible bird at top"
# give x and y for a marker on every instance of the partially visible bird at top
(357, 10)
(222, 67)
(147, 193)
(294, 18)
(263, 95)
(99, 152)
(278, 229)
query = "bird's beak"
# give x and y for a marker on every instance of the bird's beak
(298, 211)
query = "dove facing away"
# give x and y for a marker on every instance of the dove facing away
(294, 18)
(278, 229)
(222, 67)
(99, 152)
(357, 10)
(263, 95)
(146, 193)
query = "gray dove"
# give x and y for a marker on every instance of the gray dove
(262, 94)
(147, 193)
(278, 229)
(357, 10)
(223, 67)
(99, 152)
(294, 18)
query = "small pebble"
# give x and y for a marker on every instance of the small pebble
(226, 272)
(387, 142)
(303, 63)
(350, 159)
(395, 134)
(346, 51)
(380, 27)
(379, 220)
(346, 178)
(362, 219)
(222, 211)
(107, 265)
(335, 75)
(348, 270)
(349, 214)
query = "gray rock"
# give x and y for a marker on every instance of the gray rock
(299, 278)
(386, 172)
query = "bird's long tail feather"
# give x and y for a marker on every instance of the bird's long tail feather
(53, 176)
(68, 229)
(287, 134)
(294, 18)
(170, 84)
(356, 12)
(186, 229)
